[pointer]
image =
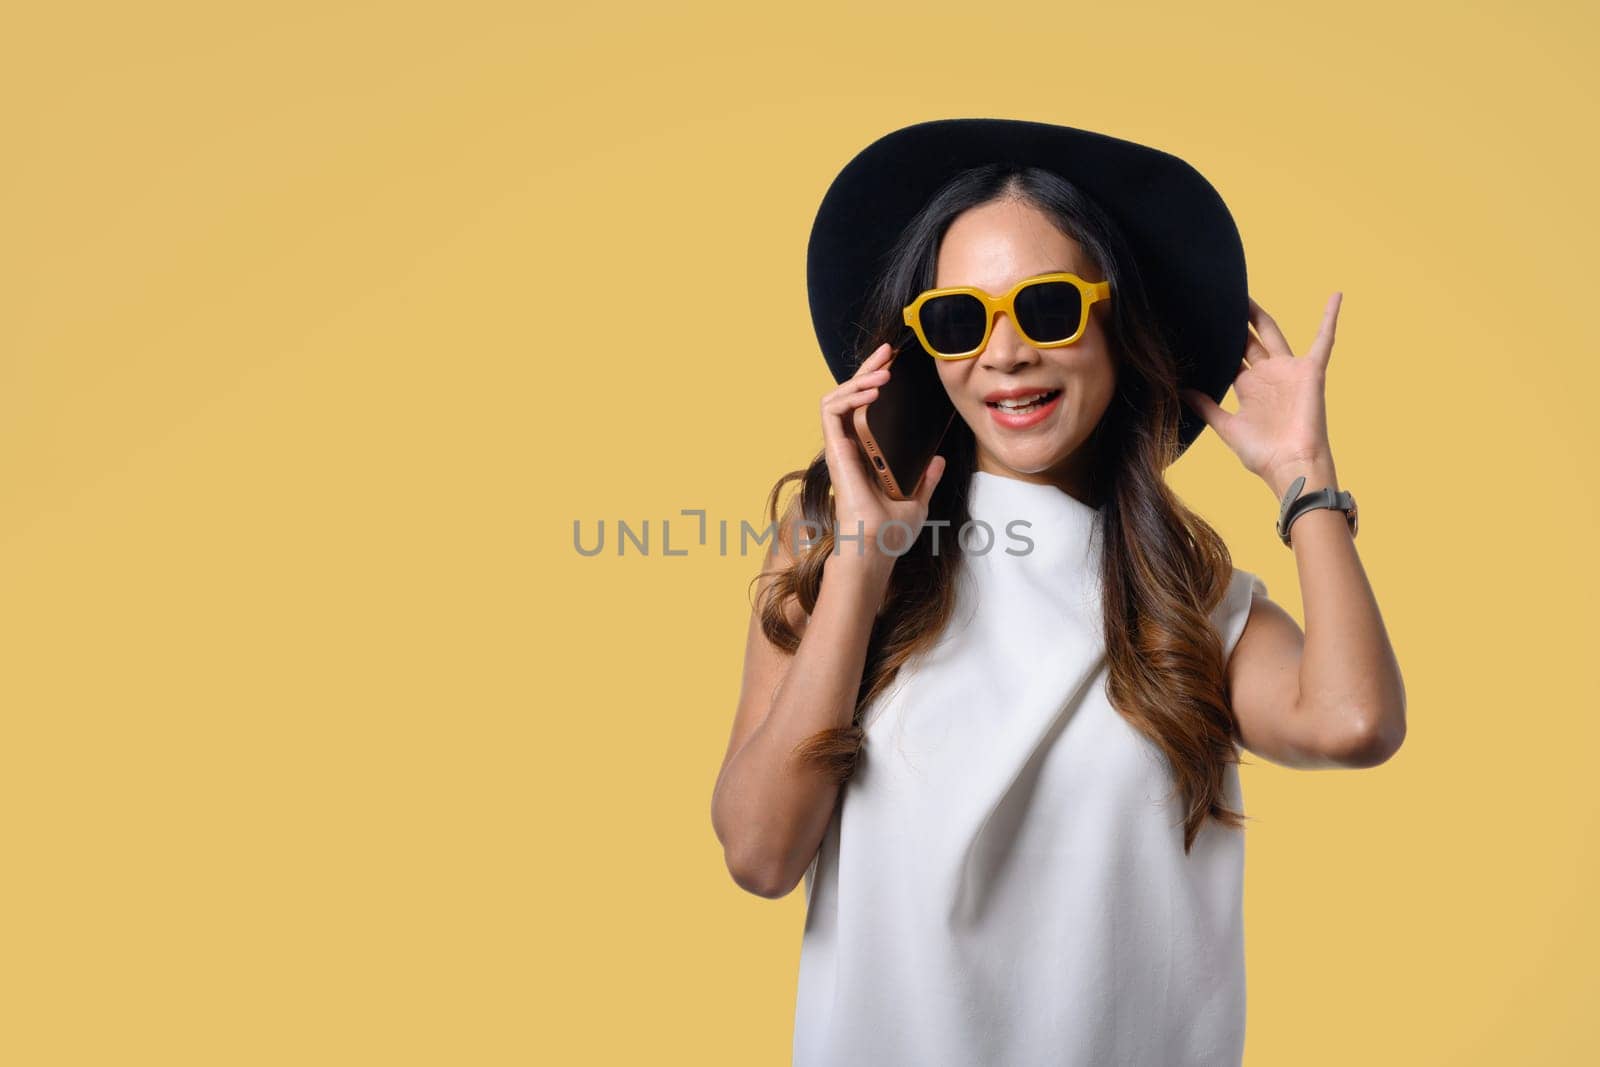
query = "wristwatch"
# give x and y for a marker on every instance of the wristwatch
(1295, 506)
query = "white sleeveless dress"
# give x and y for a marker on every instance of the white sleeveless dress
(1004, 880)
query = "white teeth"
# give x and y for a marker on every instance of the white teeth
(1022, 401)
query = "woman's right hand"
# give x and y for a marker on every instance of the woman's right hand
(860, 503)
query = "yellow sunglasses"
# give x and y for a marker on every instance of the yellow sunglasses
(1049, 311)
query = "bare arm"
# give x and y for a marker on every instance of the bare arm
(1333, 696)
(770, 814)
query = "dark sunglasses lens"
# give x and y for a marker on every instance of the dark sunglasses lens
(1049, 311)
(954, 323)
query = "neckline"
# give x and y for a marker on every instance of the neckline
(1038, 491)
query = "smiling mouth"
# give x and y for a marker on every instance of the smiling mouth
(1023, 405)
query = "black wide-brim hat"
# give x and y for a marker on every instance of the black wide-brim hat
(1186, 246)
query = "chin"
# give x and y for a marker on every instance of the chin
(1031, 460)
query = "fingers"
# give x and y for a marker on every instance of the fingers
(1254, 350)
(845, 461)
(1322, 347)
(1211, 411)
(879, 358)
(1272, 337)
(1273, 343)
(850, 393)
(838, 412)
(929, 482)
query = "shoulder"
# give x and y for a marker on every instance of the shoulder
(1263, 672)
(1233, 612)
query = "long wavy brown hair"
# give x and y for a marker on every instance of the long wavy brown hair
(1164, 568)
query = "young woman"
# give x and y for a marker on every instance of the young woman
(1005, 762)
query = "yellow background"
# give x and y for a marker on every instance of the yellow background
(321, 324)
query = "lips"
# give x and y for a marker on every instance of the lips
(1024, 409)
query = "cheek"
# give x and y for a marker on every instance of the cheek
(1103, 378)
(955, 381)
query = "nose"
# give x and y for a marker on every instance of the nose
(1007, 349)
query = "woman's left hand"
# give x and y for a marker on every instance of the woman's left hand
(1282, 421)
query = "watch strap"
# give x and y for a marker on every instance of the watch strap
(1294, 505)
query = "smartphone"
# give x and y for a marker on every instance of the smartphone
(903, 426)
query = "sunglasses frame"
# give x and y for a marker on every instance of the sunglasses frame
(1090, 292)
